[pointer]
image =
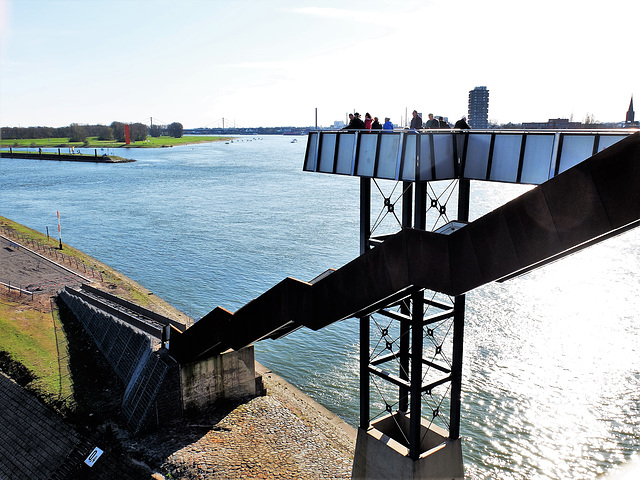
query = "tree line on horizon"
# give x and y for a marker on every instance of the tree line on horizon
(79, 133)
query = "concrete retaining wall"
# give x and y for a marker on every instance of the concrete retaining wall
(228, 376)
(157, 387)
(151, 376)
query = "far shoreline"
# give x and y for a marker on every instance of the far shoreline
(94, 143)
(20, 149)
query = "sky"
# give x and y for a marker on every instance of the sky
(276, 63)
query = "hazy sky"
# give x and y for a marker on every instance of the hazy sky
(272, 63)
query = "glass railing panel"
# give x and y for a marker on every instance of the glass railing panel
(505, 158)
(327, 152)
(475, 166)
(344, 163)
(409, 161)
(536, 163)
(426, 160)
(310, 159)
(607, 140)
(575, 149)
(388, 156)
(366, 155)
(445, 159)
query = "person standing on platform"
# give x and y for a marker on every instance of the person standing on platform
(387, 124)
(442, 123)
(416, 121)
(432, 122)
(357, 123)
(375, 125)
(367, 121)
(462, 123)
(350, 124)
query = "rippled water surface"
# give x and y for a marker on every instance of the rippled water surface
(551, 385)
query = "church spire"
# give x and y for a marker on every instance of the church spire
(630, 112)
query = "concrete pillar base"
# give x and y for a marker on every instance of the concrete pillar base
(230, 376)
(382, 452)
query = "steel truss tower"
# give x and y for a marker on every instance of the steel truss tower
(411, 352)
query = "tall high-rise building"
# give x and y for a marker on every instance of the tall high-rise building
(479, 107)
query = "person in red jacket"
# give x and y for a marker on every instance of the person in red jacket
(367, 121)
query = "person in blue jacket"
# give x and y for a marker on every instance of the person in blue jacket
(387, 124)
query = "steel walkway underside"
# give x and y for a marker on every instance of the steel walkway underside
(592, 201)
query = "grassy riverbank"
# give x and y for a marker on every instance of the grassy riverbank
(93, 142)
(34, 343)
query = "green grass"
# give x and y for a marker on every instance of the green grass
(93, 142)
(29, 337)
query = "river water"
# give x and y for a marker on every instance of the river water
(551, 360)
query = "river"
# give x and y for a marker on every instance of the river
(551, 361)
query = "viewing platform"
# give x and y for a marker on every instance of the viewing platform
(511, 156)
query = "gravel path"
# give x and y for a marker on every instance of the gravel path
(21, 267)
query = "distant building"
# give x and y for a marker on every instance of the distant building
(630, 114)
(479, 107)
(555, 123)
(338, 124)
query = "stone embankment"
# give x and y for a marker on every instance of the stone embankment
(283, 435)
